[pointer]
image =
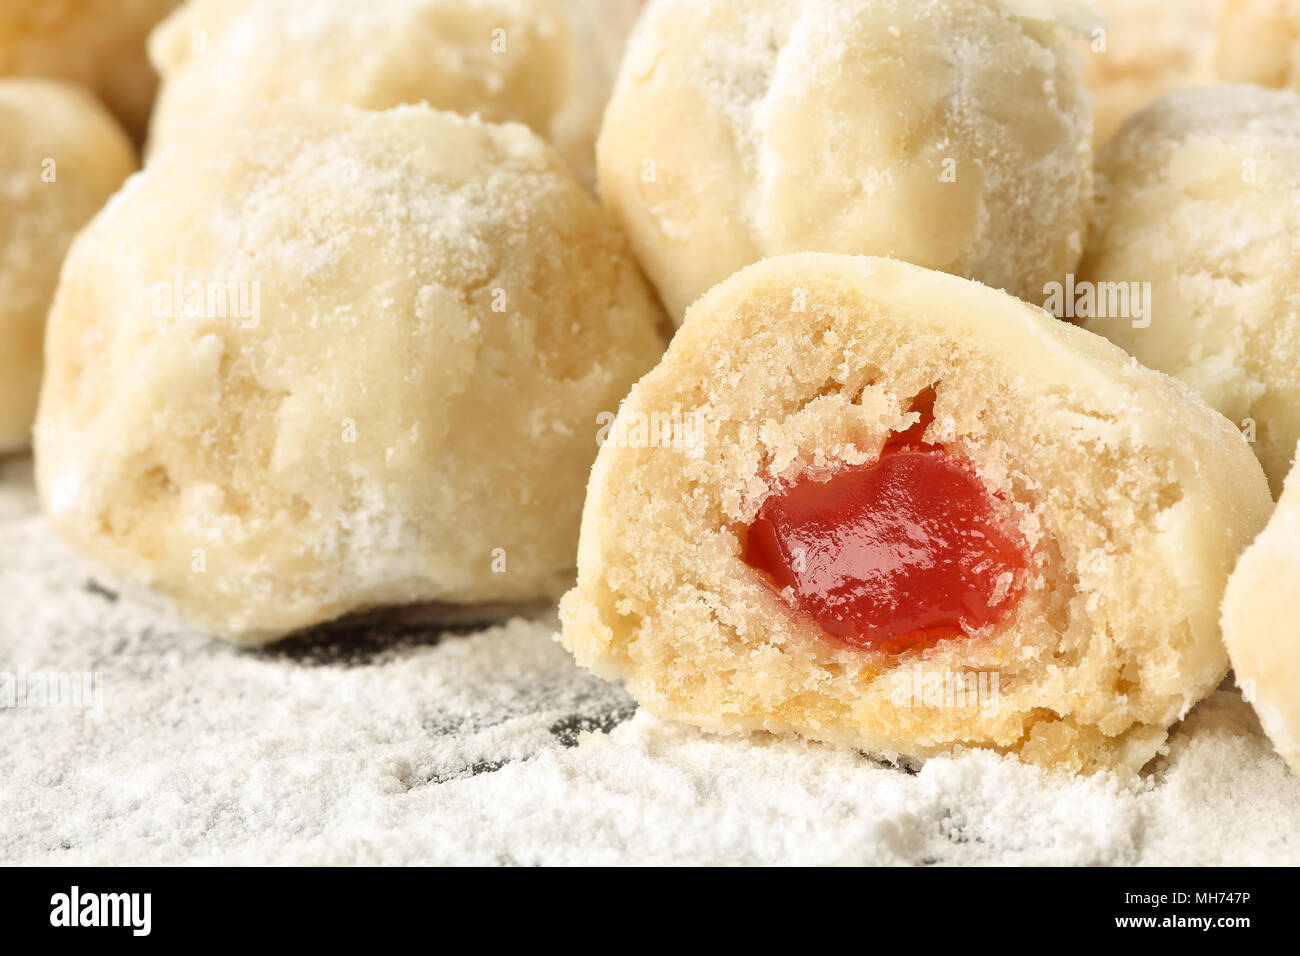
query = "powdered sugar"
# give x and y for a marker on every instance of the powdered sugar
(391, 744)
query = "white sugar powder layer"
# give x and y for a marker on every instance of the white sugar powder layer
(393, 744)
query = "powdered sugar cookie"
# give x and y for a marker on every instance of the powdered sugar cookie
(61, 157)
(1199, 216)
(895, 509)
(99, 43)
(600, 29)
(1259, 624)
(1148, 48)
(951, 134)
(337, 359)
(502, 59)
(1259, 42)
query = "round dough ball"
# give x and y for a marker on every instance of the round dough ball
(1133, 497)
(952, 134)
(338, 359)
(1149, 48)
(600, 30)
(1259, 42)
(99, 43)
(61, 156)
(1260, 628)
(506, 60)
(1199, 196)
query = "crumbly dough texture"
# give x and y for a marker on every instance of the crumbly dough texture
(1135, 496)
(1200, 196)
(98, 43)
(1151, 47)
(1260, 626)
(1259, 42)
(61, 156)
(409, 413)
(953, 134)
(506, 60)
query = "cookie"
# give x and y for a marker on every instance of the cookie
(504, 60)
(886, 507)
(1191, 266)
(1148, 48)
(1259, 624)
(97, 43)
(61, 156)
(337, 360)
(1259, 42)
(953, 134)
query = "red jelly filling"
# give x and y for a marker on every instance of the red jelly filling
(900, 552)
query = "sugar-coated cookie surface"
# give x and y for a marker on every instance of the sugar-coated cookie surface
(1259, 42)
(99, 43)
(337, 359)
(1260, 626)
(502, 59)
(1133, 499)
(1199, 196)
(951, 134)
(61, 156)
(1149, 48)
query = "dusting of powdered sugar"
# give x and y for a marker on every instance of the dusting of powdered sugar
(396, 744)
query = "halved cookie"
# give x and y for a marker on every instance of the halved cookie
(883, 506)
